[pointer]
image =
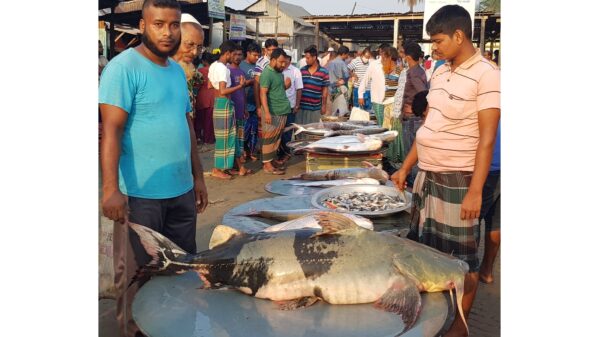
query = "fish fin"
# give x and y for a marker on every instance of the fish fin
(299, 127)
(163, 252)
(329, 133)
(297, 303)
(404, 299)
(221, 235)
(335, 223)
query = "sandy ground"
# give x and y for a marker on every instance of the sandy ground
(484, 320)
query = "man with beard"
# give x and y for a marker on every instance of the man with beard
(223, 111)
(192, 40)
(275, 107)
(151, 173)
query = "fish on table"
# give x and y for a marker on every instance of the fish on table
(345, 144)
(370, 171)
(321, 128)
(363, 131)
(289, 218)
(342, 263)
(340, 182)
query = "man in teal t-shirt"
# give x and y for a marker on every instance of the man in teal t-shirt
(275, 107)
(151, 172)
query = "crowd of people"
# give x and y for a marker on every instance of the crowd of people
(162, 98)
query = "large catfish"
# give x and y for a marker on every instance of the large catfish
(340, 264)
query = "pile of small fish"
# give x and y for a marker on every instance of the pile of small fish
(363, 202)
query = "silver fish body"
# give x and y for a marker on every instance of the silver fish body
(340, 264)
(312, 221)
(346, 144)
(364, 131)
(345, 173)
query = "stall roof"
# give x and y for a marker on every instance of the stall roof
(376, 28)
(130, 12)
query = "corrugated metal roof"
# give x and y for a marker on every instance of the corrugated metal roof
(374, 15)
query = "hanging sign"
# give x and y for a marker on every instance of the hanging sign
(216, 9)
(237, 27)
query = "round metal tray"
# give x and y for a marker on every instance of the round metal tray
(405, 196)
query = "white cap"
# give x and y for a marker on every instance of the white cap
(330, 49)
(185, 17)
(263, 44)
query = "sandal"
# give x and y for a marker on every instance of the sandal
(221, 175)
(275, 171)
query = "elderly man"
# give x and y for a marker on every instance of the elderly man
(192, 40)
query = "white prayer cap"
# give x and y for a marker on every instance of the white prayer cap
(185, 17)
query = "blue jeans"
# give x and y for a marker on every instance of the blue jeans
(366, 96)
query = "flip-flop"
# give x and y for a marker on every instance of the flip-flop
(276, 171)
(248, 172)
(224, 176)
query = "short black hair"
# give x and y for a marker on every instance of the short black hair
(448, 19)
(277, 52)
(271, 42)
(312, 50)
(391, 52)
(413, 50)
(383, 45)
(419, 103)
(208, 57)
(253, 47)
(227, 46)
(160, 4)
(237, 47)
(289, 57)
(343, 50)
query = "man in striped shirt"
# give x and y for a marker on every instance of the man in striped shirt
(315, 79)
(358, 68)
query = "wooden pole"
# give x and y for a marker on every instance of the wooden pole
(317, 40)
(482, 34)
(111, 34)
(396, 33)
(277, 21)
(210, 31)
(257, 34)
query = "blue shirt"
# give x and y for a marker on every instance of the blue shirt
(155, 158)
(337, 70)
(249, 72)
(495, 166)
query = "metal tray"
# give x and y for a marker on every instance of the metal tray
(405, 196)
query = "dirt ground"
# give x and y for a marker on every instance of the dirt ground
(484, 320)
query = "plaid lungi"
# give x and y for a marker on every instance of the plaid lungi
(435, 215)
(224, 122)
(395, 152)
(378, 110)
(271, 136)
(240, 124)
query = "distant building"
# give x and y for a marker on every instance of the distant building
(292, 31)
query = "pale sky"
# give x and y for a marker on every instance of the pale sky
(339, 7)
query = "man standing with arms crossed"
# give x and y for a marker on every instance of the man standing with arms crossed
(151, 173)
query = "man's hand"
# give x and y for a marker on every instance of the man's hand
(323, 109)
(296, 108)
(267, 117)
(114, 206)
(471, 206)
(242, 80)
(361, 102)
(201, 195)
(288, 82)
(399, 179)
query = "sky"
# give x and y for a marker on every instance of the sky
(339, 7)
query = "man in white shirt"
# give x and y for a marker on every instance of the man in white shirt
(293, 93)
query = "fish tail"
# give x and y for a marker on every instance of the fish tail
(460, 291)
(167, 257)
(299, 128)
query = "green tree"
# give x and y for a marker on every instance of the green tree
(489, 6)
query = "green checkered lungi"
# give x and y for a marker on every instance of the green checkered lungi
(225, 134)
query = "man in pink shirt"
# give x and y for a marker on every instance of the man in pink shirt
(454, 148)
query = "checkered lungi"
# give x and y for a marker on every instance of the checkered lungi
(225, 133)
